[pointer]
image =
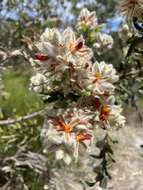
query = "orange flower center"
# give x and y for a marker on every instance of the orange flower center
(82, 137)
(86, 19)
(65, 127)
(97, 77)
(105, 111)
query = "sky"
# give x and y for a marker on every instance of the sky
(63, 11)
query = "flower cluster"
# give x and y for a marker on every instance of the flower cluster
(86, 90)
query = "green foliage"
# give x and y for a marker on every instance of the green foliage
(19, 100)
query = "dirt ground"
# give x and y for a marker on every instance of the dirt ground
(127, 173)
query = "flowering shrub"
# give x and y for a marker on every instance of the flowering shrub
(82, 77)
(80, 90)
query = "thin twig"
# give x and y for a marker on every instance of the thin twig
(132, 73)
(21, 119)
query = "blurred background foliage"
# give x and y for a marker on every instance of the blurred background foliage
(18, 99)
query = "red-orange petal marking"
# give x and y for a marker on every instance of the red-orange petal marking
(104, 114)
(79, 45)
(82, 137)
(65, 127)
(41, 57)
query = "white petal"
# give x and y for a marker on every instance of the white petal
(59, 154)
(67, 159)
(69, 36)
(46, 48)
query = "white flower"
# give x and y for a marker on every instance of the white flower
(38, 79)
(52, 35)
(68, 120)
(62, 128)
(50, 43)
(110, 115)
(87, 19)
(101, 78)
(76, 47)
(103, 42)
(38, 82)
(59, 154)
(124, 32)
(116, 117)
